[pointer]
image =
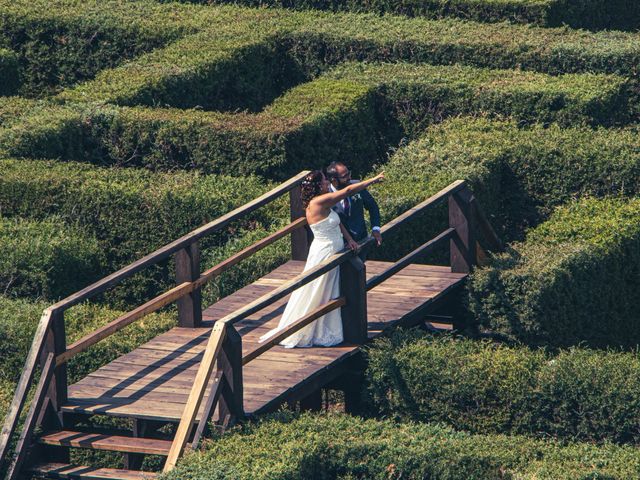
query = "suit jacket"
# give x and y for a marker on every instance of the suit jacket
(355, 222)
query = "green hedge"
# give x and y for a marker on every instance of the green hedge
(61, 43)
(46, 258)
(131, 212)
(353, 112)
(482, 387)
(519, 175)
(20, 319)
(9, 75)
(419, 91)
(344, 447)
(574, 279)
(593, 14)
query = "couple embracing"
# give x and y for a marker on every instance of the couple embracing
(334, 209)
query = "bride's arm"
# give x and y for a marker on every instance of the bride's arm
(351, 243)
(328, 200)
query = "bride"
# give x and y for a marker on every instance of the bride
(329, 238)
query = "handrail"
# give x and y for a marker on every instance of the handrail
(182, 242)
(44, 326)
(206, 367)
(174, 294)
(410, 257)
(211, 352)
(32, 417)
(293, 328)
(24, 384)
(417, 209)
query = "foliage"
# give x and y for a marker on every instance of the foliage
(594, 14)
(483, 387)
(46, 258)
(344, 447)
(9, 76)
(574, 279)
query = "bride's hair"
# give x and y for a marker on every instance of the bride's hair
(311, 187)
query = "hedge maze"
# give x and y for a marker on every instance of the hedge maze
(124, 125)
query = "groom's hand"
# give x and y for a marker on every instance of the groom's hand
(378, 237)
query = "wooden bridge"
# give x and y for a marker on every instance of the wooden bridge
(211, 365)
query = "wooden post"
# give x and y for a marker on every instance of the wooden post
(300, 238)
(463, 244)
(188, 270)
(232, 398)
(353, 285)
(56, 343)
(57, 392)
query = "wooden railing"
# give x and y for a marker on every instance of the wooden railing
(49, 347)
(223, 352)
(464, 214)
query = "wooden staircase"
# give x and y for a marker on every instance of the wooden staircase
(211, 366)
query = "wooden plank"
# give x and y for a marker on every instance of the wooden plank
(63, 470)
(196, 395)
(294, 327)
(115, 443)
(168, 250)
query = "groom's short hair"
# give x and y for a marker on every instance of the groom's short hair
(332, 169)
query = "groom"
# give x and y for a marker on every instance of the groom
(351, 209)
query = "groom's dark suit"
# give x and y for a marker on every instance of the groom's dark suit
(352, 213)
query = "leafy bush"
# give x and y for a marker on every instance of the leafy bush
(574, 279)
(9, 76)
(352, 112)
(340, 446)
(488, 388)
(131, 212)
(519, 175)
(578, 14)
(47, 258)
(61, 43)
(20, 319)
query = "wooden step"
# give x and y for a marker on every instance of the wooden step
(64, 470)
(99, 441)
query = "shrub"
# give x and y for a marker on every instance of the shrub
(61, 43)
(131, 212)
(9, 76)
(574, 279)
(351, 113)
(550, 13)
(482, 387)
(519, 175)
(340, 446)
(20, 319)
(46, 258)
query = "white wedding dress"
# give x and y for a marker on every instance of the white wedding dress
(326, 330)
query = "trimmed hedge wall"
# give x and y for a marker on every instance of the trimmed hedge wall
(9, 75)
(481, 387)
(20, 319)
(60, 43)
(574, 279)
(353, 112)
(46, 259)
(344, 447)
(593, 14)
(519, 175)
(131, 212)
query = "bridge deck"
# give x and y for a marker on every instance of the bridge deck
(153, 381)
